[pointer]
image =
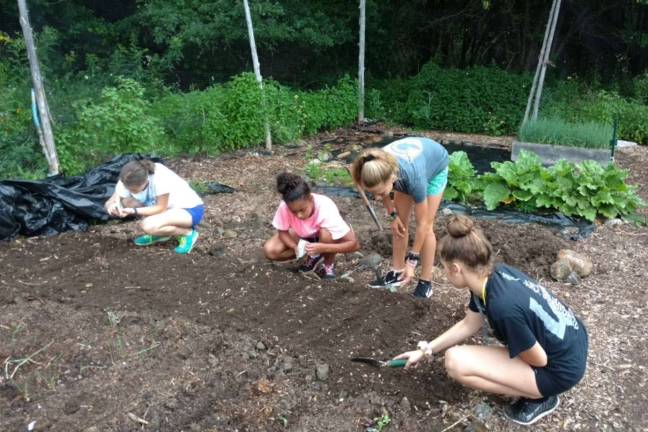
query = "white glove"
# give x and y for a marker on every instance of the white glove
(300, 250)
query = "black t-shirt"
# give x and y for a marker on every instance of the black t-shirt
(522, 312)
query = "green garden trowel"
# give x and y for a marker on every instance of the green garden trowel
(400, 363)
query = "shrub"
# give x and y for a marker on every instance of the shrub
(559, 132)
(477, 100)
(120, 122)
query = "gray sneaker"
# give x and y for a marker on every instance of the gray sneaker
(391, 280)
(528, 411)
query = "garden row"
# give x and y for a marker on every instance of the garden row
(587, 189)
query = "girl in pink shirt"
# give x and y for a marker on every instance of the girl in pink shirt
(308, 223)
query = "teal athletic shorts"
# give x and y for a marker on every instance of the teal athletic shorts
(438, 183)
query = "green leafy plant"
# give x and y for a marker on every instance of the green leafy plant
(328, 174)
(560, 132)
(586, 189)
(462, 186)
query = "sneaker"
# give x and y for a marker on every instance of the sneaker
(186, 242)
(423, 289)
(327, 272)
(310, 263)
(391, 280)
(147, 240)
(529, 411)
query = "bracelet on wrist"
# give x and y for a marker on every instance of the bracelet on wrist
(412, 259)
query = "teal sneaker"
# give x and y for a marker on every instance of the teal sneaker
(187, 242)
(147, 240)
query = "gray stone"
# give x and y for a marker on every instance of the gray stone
(483, 411)
(405, 404)
(476, 426)
(322, 371)
(228, 233)
(260, 346)
(344, 155)
(624, 144)
(614, 222)
(324, 156)
(288, 364)
(446, 211)
(573, 279)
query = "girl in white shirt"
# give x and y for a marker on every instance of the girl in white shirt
(166, 202)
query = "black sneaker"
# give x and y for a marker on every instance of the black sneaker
(529, 411)
(310, 263)
(423, 289)
(391, 280)
(326, 272)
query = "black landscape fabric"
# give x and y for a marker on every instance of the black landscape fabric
(57, 204)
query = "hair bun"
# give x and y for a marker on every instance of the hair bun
(286, 182)
(459, 226)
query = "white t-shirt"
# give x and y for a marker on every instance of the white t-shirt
(162, 182)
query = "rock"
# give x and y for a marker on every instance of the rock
(347, 278)
(356, 148)
(260, 346)
(344, 155)
(322, 371)
(288, 365)
(483, 411)
(446, 211)
(573, 279)
(324, 156)
(579, 262)
(91, 429)
(476, 426)
(624, 144)
(388, 134)
(228, 233)
(561, 269)
(405, 404)
(614, 222)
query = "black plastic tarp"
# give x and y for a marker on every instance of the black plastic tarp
(58, 203)
(572, 228)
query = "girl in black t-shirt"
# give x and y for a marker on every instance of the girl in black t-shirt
(545, 345)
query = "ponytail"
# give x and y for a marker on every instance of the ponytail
(373, 167)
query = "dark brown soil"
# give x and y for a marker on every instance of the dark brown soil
(98, 335)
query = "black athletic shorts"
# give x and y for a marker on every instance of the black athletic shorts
(555, 379)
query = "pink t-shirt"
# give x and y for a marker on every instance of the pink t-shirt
(325, 215)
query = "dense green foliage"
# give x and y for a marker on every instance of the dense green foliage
(585, 190)
(559, 132)
(477, 100)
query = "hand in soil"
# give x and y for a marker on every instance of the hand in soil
(398, 228)
(412, 357)
(407, 276)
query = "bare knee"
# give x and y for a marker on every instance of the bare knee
(456, 362)
(325, 236)
(149, 226)
(271, 250)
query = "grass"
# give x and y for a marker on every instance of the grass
(559, 132)
(330, 175)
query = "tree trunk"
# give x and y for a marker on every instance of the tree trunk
(257, 72)
(361, 64)
(49, 148)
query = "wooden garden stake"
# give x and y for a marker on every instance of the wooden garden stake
(361, 64)
(48, 145)
(257, 71)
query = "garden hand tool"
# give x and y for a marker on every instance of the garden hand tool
(399, 363)
(370, 209)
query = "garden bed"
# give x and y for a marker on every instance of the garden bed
(225, 341)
